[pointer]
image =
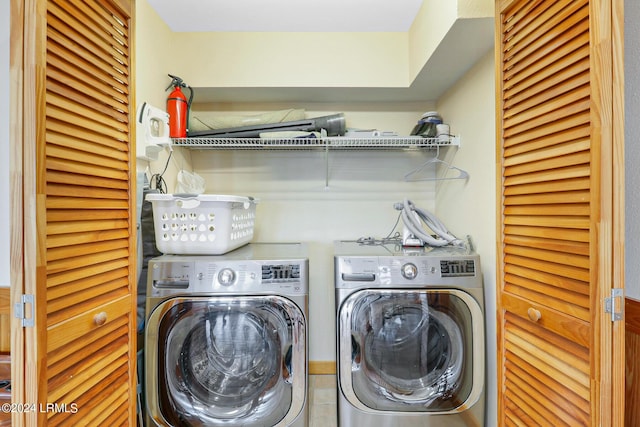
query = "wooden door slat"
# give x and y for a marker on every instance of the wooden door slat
(572, 134)
(574, 235)
(567, 99)
(535, 76)
(103, 144)
(555, 244)
(61, 240)
(81, 168)
(108, 280)
(546, 278)
(80, 31)
(554, 152)
(543, 253)
(577, 122)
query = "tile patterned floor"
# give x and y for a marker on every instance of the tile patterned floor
(322, 397)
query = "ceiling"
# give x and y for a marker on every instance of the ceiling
(288, 15)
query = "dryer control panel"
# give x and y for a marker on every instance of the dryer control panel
(372, 264)
(356, 271)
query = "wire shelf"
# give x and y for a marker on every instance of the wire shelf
(390, 143)
(324, 143)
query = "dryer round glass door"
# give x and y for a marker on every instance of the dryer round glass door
(224, 361)
(411, 350)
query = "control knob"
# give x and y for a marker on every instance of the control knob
(409, 271)
(226, 277)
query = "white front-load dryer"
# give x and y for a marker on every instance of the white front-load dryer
(226, 338)
(410, 336)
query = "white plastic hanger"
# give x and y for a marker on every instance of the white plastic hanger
(411, 176)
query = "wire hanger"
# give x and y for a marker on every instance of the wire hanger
(411, 176)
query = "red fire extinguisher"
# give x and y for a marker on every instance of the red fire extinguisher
(178, 108)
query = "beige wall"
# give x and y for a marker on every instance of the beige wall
(153, 63)
(470, 207)
(286, 59)
(475, 8)
(428, 29)
(292, 59)
(153, 55)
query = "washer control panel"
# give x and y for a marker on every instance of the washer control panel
(457, 268)
(205, 275)
(409, 271)
(274, 273)
(227, 277)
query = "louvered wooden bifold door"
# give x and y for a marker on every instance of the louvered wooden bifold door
(549, 151)
(86, 275)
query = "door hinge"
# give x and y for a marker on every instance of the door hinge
(24, 310)
(615, 304)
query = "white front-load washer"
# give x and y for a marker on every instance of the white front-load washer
(410, 336)
(226, 338)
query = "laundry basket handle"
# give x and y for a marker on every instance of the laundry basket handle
(185, 195)
(186, 200)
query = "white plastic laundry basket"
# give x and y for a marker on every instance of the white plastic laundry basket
(204, 224)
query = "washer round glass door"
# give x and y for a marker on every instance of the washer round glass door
(226, 361)
(410, 350)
